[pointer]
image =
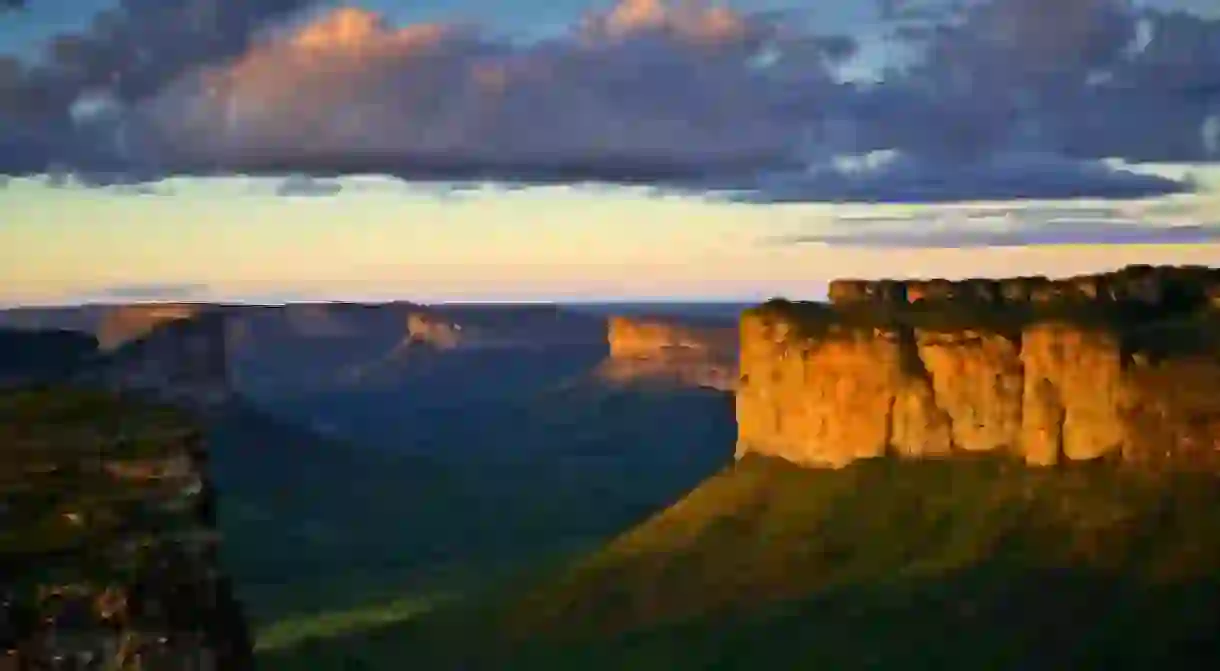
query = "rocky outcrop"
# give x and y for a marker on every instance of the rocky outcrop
(440, 333)
(1123, 366)
(651, 350)
(108, 547)
(1149, 285)
(122, 324)
(183, 361)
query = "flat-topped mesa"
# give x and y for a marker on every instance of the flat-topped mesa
(1131, 373)
(648, 336)
(650, 349)
(1149, 285)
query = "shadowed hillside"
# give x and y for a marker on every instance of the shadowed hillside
(28, 355)
(107, 538)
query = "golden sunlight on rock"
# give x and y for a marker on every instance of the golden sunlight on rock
(653, 350)
(1089, 377)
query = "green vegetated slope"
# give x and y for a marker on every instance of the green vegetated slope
(313, 524)
(895, 565)
(326, 538)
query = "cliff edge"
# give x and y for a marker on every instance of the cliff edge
(108, 544)
(1122, 365)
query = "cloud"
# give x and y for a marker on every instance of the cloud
(142, 292)
(1067, 233)
(303, 185)
(1084, 78)
(893, 176)
(1178, 220)
(641, 93)
(1000, 98)
(128, 53)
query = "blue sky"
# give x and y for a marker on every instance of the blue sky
(27, 31)
(710, 154)
(26, 34)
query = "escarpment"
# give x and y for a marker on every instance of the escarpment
(108, 547)
(667, 351)
(126, 323)
(1124, 365)
(184, 361)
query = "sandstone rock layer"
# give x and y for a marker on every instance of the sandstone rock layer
(652, 350)
(1138, 385)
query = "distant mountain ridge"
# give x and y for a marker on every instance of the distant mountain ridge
(300, 348)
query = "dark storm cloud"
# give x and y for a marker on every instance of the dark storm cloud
(304, 185)
(130, 52)
(919, 178)
(1003, 98)
(1086, 78)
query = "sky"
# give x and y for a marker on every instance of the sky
(467, 150)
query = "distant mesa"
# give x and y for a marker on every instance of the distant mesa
(670, 351)
(438, 332)
(121, 324)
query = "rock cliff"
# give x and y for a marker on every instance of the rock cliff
(121, 324)
(108, 548)
(440, 333)
(1124, 365)
(184, 361)
(666, 351)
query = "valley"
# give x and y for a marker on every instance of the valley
(989, 474)
(367, 452)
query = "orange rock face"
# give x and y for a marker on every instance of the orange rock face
(644, 350)
(132, 322)
(439, 333)
(1047, 392)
